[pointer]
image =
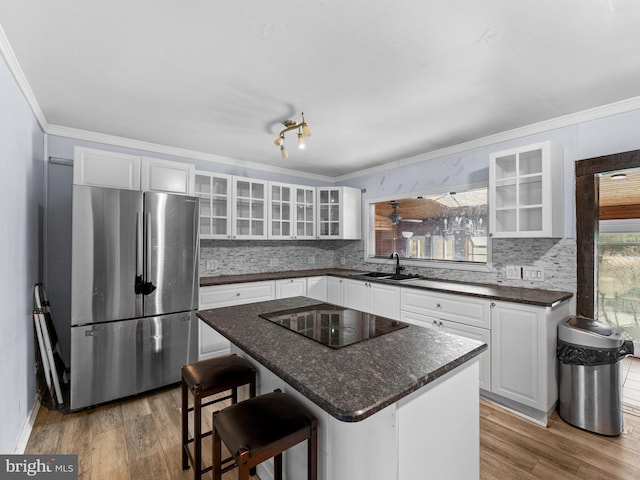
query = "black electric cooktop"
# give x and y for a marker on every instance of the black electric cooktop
(332, 325)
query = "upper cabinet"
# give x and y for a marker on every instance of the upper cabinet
(525, 192)
(305, 212)
(339, 213)
(214, 191)
(281, 211)
(250, 208)
(167, 176)
(118, 170)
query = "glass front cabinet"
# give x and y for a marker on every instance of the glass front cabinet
(214, 191)
(339, 214)
(250, 204)
(525, 192)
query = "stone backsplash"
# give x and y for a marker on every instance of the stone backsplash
(228, 257)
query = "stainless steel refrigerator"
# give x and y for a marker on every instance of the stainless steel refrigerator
(134, 291)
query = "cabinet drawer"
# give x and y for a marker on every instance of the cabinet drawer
(236, 294)
(456, 308)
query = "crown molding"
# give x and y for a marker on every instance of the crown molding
(125, 142)
(14, 67)
(596, 113)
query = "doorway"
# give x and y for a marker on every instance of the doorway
(608, 250)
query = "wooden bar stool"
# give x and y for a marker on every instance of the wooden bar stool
(203, 379)
(261, 428)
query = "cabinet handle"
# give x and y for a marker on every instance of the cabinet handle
(438, 306)
(237, 294)
(493, 304)
(440, 323)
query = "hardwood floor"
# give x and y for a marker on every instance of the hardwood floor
(139, 439)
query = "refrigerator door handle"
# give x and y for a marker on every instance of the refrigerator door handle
(139, 282)
(147, 287)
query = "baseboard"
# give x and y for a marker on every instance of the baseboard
(27, 427)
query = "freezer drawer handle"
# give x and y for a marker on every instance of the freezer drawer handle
(90, 333)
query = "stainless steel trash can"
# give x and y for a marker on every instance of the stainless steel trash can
(589, 379)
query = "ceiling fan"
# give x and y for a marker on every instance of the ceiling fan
(396, 218)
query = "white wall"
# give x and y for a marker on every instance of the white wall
(21, 221)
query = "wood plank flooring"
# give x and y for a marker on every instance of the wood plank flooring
(139, 439)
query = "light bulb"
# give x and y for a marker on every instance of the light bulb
(301, 144)
(306, 130)
(283, 151)
(278, 141)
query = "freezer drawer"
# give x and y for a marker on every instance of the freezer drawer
(117, 359)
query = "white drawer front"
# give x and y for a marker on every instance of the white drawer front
(236, 294)
(457, 308)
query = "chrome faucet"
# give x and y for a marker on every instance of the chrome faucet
(398, 267)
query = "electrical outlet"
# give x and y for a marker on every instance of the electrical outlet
(273, 262)
(514, 272)
(311, 259)
(533, 274)
(212, 265)
(343, 261)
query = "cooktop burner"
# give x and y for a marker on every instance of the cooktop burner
(332, 325)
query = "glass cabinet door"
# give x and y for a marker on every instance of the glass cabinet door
(305, 211)
(250, 208)
(525, 190)
(215, 208)
(329, 212)
(281, 211)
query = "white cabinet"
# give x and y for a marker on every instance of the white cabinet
(317, 287)
(291, 287)
(281, 211)
(214, 191)
(305, 212)
(106, 169)
(523, 341)
(117, 170)
(468, 317)
(339, 213)
(166, 176)
(525, 192)
(250, 209)
(334, 291)
(377, 298)
(211, 343)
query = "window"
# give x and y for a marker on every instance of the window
(449, 227)
(619, 275)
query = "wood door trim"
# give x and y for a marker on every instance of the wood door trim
(587, 218)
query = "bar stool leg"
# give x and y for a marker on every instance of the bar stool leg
(217, 452)
(312, 452)
(185, 429)
(197, 432)
(243, 465)
(277, 467)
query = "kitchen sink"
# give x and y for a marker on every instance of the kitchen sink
(387, 276)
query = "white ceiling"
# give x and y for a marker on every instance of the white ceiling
(378, 81)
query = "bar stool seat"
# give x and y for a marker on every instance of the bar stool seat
(204, 379)
(264, 427)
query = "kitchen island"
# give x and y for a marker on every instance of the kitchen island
(403, 405)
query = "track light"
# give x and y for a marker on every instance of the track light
(303, 131)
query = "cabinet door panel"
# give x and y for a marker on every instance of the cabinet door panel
(317, 288)
(355, 294)
(384, 300)
(516, 359)
(456, 308)
(167, 176)
(106, 169)
(474, 333)
(291, 287)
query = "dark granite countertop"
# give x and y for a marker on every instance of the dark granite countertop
(531, 296)
(351, 383)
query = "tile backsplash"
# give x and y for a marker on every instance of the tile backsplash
(229, 257)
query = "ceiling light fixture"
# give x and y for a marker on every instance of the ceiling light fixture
(303, 131)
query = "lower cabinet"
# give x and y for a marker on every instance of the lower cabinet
(378, 298)
(291, 287)
(464, 316)
(317, 287)
(211, 343)
(523, 354)
(519, 368)
(334, 291)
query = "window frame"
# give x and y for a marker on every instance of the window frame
(370, 234)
